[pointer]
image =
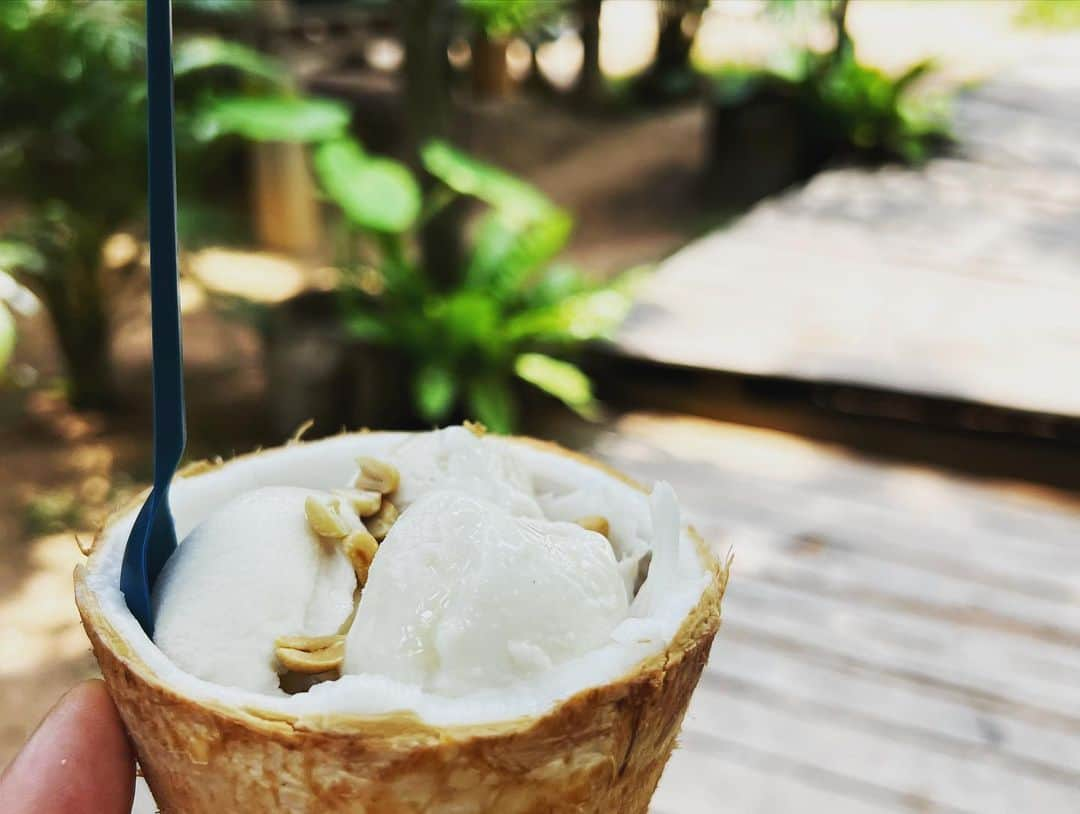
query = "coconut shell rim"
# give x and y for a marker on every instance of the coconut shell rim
(698, 628)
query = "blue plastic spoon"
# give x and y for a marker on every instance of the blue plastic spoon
(153, 539)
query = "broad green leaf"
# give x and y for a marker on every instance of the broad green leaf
(7, 337)
(202, 53)
(375, 193)
(470, 322)
(554, 284)
(565, 381)
(591, 315)
(506, 254)
(468, 176)
(435, 390)
(272, 118)
(492, 404)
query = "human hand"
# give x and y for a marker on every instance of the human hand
(79, 761)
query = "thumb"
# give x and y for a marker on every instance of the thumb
(79, 760)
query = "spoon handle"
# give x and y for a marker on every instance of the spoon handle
(170, 431)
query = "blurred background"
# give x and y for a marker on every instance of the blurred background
(815, 262)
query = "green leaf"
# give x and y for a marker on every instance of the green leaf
(272, 118)
(19, 256)
(367, 327)
(586, 316)
(470, 322)
(507, 254)
(503, 18)
(435, 390)
(468, 176)
(7, 336)
(216, 6)
(565, 381)
(912, 75)
(202, 53)
(492, 403)
(557, 282)
(375, 193)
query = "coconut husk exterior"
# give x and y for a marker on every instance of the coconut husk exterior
(602, 750)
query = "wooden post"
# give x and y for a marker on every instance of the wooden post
(590, 85)
(287, 216)
(490, 79)
(285, 210)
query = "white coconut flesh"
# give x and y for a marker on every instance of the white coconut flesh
(485, 602)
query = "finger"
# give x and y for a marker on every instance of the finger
(79, 761)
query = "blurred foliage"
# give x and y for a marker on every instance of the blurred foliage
(513, 310)
(851, 109)
(7, 337)
(1050, 13)
(378, 194)
(272, 118)
(14, 296)
(51, 512)
(73, 144)
(500, 18)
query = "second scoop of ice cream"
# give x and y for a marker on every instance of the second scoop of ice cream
(463, 595)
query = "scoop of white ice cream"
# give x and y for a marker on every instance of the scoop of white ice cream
(463, 596)
(251, 572)
(456, 458)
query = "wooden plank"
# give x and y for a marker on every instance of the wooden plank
(706, 777)
(917, 713)
(833, 747)
(906, 516)
(1041, 675)
(821, 563)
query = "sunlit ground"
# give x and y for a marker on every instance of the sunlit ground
(38, 620)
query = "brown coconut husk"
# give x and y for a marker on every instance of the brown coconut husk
(601, 751)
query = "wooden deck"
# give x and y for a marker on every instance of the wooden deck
(959, 280)
(894, 639)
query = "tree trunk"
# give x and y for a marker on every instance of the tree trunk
(670, 75)
(75, 301)
(672, 45)
(490, 79)
(589, 90)
(427, 107)
(91, 385)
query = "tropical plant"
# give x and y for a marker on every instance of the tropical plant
(72, 150)
(847, 108)
(865, 111)
(514, 310)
